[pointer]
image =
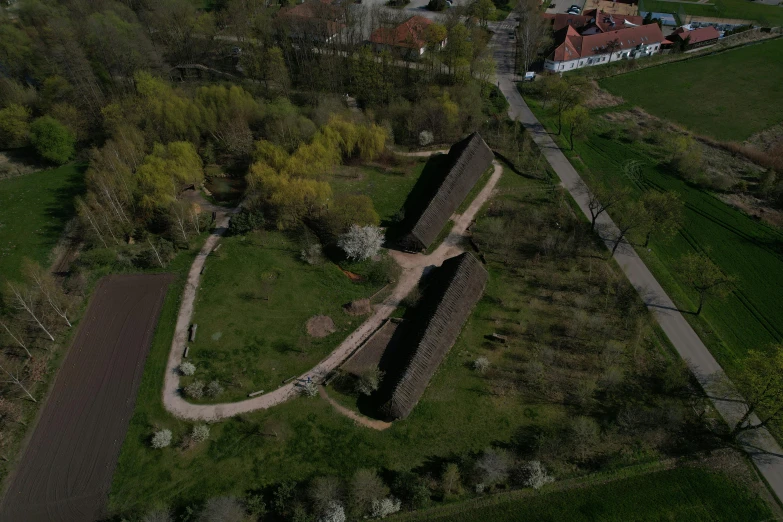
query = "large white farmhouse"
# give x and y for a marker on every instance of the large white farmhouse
(585, 50)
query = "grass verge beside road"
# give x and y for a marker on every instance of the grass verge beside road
(703, 94)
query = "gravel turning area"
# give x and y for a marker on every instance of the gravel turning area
(66, 470)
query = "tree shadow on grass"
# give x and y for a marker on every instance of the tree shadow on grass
(63, 208)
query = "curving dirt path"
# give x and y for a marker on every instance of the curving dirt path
(413, 266)
(356, 417)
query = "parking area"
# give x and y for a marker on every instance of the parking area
(562, 6)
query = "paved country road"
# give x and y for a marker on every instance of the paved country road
(759, 444)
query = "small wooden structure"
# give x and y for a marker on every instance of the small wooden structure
(192, 336)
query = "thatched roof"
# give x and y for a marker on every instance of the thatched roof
(467, 161)
(456, 288)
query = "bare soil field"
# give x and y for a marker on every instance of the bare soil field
(65, 472)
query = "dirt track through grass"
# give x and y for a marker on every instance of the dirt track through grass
(65, 472)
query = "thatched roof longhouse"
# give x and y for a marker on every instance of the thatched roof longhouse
(456, 288)
(467, 161)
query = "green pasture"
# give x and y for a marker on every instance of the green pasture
(34, 209)
(729, 96)
(255, 297)
(684, 495)
(766, 15)
(748, 249)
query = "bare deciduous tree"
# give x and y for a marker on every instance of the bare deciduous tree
(24, 301)
(16, 338)
(49, 289)
(14, 378)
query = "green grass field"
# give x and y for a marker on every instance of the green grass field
(743, 247)
(255, 298)
(703, 94)
(34, 209)
(684, 495)
(767, 15)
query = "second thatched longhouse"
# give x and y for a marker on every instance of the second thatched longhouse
(447, 302)
(467, 161)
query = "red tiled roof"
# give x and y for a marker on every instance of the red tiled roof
(409, 34)
(702, 34)
(576, 46)
(602, 20)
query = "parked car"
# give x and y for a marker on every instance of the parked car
(574, 9)
(530, 76)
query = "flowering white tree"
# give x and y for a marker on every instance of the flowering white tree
(187, 368)
(536, 475)
(382, 508)
(195, 390)
(481, 364)
(309, 389)
(214, 389)
(425, 138)
(361, 242)
(200, 433)
(334, 512)
(161, 439)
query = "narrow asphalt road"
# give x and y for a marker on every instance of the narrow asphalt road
(759, 444)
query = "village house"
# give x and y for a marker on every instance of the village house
(694, 38)
(575, 50)
(407, 39)
(316, 21)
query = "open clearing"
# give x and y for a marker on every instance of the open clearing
(730, 95)
(685, 495)
(34, 209)
(66, 470)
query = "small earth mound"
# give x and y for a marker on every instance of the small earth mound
(320, 326)
(359, 307)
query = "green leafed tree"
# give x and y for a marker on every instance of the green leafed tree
(665, 210)
(14, 125)
(761, 384)
(52, 140)
(705, 277)
(577, 119)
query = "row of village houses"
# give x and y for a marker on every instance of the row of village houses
(596, 38)
(592, 38)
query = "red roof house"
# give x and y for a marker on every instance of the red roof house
(696, 37)
(408, 37)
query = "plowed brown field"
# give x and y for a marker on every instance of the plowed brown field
(66, 469)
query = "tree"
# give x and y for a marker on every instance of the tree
(760, 381)
(187, 368)
(16, 337)
(14, 125)
(222, 509)
(214, 389)
(577, 119)
(601, 199)
(361, 242)
(384, 507)
(195, 390)
(483, 10)
(161, 439)
(481, 364)
(365, 487)
(585, 435)
(351, 209)
(323, 491)
(14, 379)
(459, 49)
(369, 381)
(164, 172)
(450, 479)
(612, 46)
(25, 301)
(566, 93)
(631, 215)
(52, 140)
(48, 288)
(665, 210)
(334, 512)
(533, 33)
(704, 276)
(492, 467)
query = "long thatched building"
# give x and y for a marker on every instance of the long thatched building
(445, 306)
(467, 161)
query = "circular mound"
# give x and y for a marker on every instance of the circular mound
(320, 326)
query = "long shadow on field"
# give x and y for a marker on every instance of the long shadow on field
(62, 210)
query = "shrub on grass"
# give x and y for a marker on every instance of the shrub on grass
(450, 480)
(187, 368)
(534, 475)
(365, 487)
(481, 364)
(200, 433)
(222, 509)
(384, 507)
(309, 389)
(161, 439)
(323, 491)
(247, 220)
(425, 136)
(369, 381)
(334, 513)
(411, 489)
(195, 390)
(52, 140)
(214, 389)
(313, 254)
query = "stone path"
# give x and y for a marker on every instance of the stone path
(413, 266)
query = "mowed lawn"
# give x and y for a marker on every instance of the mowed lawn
(255, 297)
(34, 209)
(729, 96)
(684, 495)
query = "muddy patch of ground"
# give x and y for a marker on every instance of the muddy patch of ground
(320, 326)
(754, 207)
(599, 98)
